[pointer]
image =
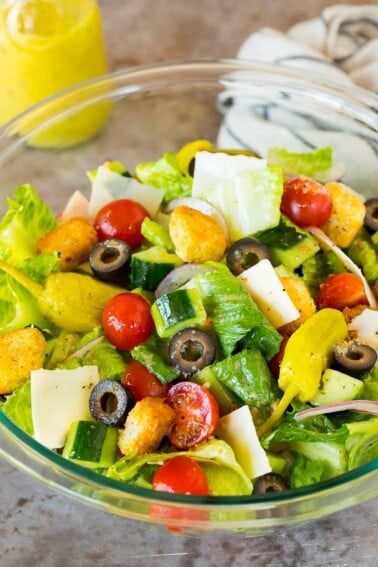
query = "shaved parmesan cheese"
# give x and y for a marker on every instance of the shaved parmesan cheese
(266, 289)
(366, 327)
(59, 397)
(77, 206)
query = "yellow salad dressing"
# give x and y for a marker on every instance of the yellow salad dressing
(46, 46)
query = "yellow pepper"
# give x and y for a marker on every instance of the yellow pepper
(306, 356)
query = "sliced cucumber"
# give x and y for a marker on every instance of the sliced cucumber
(91, 444)
(337, 387)
(177, 310)
(150, 266)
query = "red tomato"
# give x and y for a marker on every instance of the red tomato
(197, 414)
(275, 362)
(183, 516)
(141, 382)
(181, 475)
(127, 320)
(121, 219)
(306, 202)
(340, 291)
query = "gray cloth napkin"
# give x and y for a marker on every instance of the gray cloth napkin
(341, 45)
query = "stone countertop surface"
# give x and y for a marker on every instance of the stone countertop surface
(41, 527)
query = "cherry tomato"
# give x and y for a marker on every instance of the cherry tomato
(127, 320)
(181, 475)
(275, 362)
(121, 219)
(340, 291)
(306, 202)
(141, 382)
(197, 414)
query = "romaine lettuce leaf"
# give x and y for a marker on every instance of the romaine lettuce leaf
(27, 219)
(233, 312)
(17, 407)
(365, 254)
(305, 472)
(313, 164)
(166, 174)
(246, 373)
(223, 472)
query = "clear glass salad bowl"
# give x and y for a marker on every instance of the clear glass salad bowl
(135, 115)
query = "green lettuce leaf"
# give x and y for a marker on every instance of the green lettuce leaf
(246, 373)
(233, 312)
(166, 174)
(27, 219)
(313, 164)
(305, 472)
(365, 254)
(150, 355)
(225, 476)
(17, 407)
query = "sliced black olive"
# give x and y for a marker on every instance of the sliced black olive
(109, 260)
(110, 402)
(371, 216)
(354, 358)
(191, 349)
(269, 482)
(245, 253)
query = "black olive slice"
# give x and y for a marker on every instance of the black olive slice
(269, 482)
(190, 350)
(354, 358)
(245, 253)
(110, 402)
(109, 260)
(371, 216)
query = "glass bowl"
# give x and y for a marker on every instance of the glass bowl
(135, 115)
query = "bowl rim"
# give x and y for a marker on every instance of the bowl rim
(357, 99)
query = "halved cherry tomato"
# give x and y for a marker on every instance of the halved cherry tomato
(141, 382)
(127, 320)
(181, 475)
(306, 202)
(197, 414)
(340, 291)
(121, 219)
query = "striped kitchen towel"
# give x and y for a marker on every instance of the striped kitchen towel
(339, 46)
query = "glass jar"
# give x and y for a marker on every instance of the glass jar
(46, 46)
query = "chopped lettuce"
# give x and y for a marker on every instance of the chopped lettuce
(305, 472)
(233, 312)
(317, 268)
(365, 254)
(371, 385)
(166, 174)
(246, 373)
(313, 164)
(104, 355)
(150, 355)
(224, 474)
(27, 219)
(17, 407)
(18, 307)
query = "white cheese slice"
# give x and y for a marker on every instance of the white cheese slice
(59, 397)
(266, 289)
(238, 430)
(212, 168)
(366, 327)
(77, 206)
(109, 185)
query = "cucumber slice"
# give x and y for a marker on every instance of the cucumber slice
(150, 266)
(337, 387)
(91, 444)
(178, 310)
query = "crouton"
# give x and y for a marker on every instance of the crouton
(347, 217)
(73, 240)
(146, 425)
(301, 297)
(197, 237)
(21, 351)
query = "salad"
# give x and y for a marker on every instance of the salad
(206, 324)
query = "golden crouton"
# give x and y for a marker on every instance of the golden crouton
(347, 217)
(197, 237)
(300, 296)
(21, 351)
(72, 240)
(146, 425)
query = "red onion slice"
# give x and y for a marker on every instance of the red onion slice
(180, 276)
(346, 261)
(363, 406)
(203, 207)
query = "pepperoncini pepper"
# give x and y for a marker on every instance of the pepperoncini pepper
(307, 354)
